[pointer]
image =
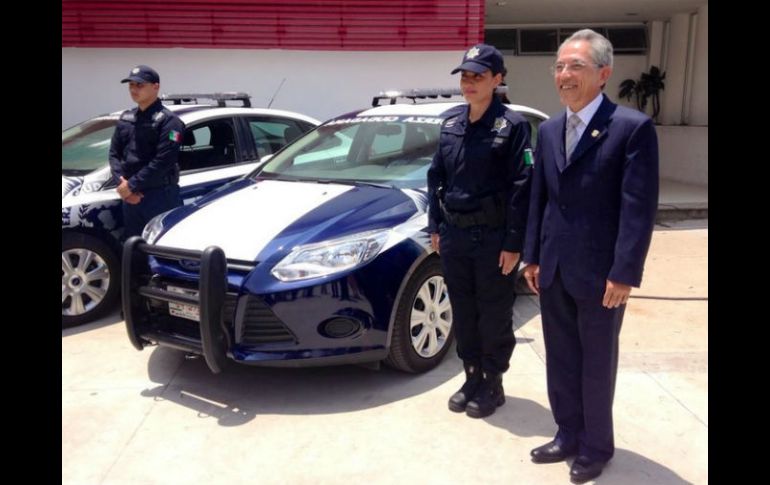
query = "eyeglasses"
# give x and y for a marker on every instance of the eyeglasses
(574, 66)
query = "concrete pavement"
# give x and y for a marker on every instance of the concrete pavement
(151, 417)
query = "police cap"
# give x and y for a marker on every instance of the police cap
(142, 74)
(481, 57)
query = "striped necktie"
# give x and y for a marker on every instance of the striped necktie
(572, 135)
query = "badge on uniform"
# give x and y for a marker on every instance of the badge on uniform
(175, 136)
(528, 159)
(500, 124)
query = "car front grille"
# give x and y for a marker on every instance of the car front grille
(260, 325)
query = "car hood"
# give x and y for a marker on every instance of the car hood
(72, 185)
(269, 216)
(68, 184)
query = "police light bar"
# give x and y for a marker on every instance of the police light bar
(220, 98)
(415, 94)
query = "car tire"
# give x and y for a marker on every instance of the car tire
(422, 332)
(90, 278)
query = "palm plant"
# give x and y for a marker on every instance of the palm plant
(648, 86)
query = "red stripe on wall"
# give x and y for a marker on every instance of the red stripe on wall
(261, 24)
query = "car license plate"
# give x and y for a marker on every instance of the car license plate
(183, 310)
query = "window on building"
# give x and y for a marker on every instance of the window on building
(504, 39)
(626, 39)
(538, 41)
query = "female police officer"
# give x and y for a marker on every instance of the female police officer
(478, 186)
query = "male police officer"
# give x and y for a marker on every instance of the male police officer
(478, 186)
(144, 152)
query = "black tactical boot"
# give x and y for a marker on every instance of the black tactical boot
(489, 396)
(459, 399)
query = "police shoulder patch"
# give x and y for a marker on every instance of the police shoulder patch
(175, 136)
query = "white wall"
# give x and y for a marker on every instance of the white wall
(531, 83)
(684, 153)
(318, 83)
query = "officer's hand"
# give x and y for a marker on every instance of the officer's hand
(134, 198)
(123, 190)
(532, 275)
(434, 242)
(615, 294)
(507, 261)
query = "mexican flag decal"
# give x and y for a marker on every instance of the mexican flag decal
(175, 136)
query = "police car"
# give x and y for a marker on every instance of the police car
(318, 257)
(221, 142)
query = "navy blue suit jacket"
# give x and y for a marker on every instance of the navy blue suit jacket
(593, 215)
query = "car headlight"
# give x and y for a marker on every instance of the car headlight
(153, 228)
(329, 257)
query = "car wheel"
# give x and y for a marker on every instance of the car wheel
(90, 275)
(422, 330)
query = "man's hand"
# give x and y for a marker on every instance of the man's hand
(134, 198)
(125, 193)
(435, 243)
(532, 275)
(615, 294)
(123, 190)
(507, 261)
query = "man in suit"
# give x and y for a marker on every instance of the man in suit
(592, 211)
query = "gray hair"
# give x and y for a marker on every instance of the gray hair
(601, 49)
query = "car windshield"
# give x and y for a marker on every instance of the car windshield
(85, 147)
(394, 151)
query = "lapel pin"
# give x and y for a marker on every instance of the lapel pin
(595, 133)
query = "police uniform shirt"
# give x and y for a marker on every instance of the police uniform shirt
(476, 160)
(145, 147)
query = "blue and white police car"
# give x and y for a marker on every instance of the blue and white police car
(318, 257)
(221, 142)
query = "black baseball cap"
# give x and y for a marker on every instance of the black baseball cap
(142, 74)
(481, 57)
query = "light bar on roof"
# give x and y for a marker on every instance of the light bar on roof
(423, 93)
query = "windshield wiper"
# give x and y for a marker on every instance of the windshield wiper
(357, 183)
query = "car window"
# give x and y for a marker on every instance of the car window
(271, 134)
(86, 146)
(387, 139)
(329, 149)
(394, 150)
(208, 144)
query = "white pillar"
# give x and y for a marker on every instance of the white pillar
(676, 66)
(655, 50)
(699, 101)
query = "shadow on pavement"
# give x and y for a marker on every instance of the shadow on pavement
(242, 392)
(631, 468)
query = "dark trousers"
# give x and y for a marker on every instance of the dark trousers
(581, 344)
(482, 298)
(155, 201)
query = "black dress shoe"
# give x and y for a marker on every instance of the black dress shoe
(584, 469)
(553, 451)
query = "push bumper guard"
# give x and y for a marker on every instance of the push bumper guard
(214, 342)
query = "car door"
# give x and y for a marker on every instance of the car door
(212, 154)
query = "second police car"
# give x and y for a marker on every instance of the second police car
(318, 257)
(221, 142)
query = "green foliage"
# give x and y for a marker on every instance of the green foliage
(647, 87)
